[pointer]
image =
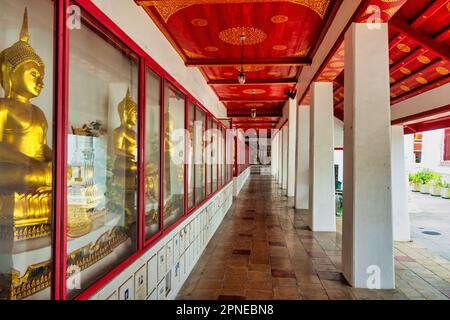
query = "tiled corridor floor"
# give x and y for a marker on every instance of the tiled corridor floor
(263, 250)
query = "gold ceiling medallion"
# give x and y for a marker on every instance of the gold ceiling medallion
(405, 88)
(443, 71)
(254, 91)
(421, 80)
(274, 73)
(199, 22)
(424, 59)
(193, 55)
(255, 104)
(337, 64)
(211, 49)
(302, 53)
(233, 36)
(279, 19)
(405, 70)
(166, 8)
(404, 48)
(252, 68)
(279, 47)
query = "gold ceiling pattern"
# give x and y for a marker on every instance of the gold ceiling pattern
(166, 8)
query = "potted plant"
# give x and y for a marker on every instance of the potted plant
(445, 190)
(425, 178)
(436, 187)
(414, 182)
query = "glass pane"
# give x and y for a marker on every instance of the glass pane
(209, 155)
(190, 173)
(214, 157)
(200, 156)
(174, 117)
(219, 155)
(26, 156)
(102, 157)
(152, 154)
(223, 157)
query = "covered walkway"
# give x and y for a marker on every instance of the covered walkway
(265, 250)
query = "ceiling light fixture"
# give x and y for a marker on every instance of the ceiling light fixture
(241, 75)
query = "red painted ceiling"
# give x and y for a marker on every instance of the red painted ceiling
(419, 49)
(280, 36)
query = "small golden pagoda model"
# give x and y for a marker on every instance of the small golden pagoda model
(25, 157)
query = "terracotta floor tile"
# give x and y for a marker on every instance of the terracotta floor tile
(265, 250)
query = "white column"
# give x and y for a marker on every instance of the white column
(280, 157)
(322, 204)
(284, 180)
(367, 239)
(274, 155)
(292, 147)
(399, 186)
(302, 159)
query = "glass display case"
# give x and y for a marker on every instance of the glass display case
(152, 154)
(190, 156)
(200, 169)
(174, 153)
(26, 148)
(102, 155)
(92, 151)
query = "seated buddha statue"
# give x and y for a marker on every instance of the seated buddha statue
(125, 150)
(25, 157)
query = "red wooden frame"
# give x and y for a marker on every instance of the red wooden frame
(60, 120)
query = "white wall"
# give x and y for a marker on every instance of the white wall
(432, 153)
(134, 21)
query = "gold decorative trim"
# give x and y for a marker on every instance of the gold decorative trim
(166, 8)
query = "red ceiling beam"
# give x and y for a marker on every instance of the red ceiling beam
(429, 86)
(290, 61)
(253, 81)
(253, 100)
(428, 12)
(425, 40)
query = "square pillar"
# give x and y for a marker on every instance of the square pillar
(322, 204)
(367, 238)
(292, 146)
(399, 186)
(284, 179)
(280, 157)
(274, 155)
(302, 159)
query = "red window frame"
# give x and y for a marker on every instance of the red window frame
(61, 74)
(446, 145)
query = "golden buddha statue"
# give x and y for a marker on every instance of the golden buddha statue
(25, 157)
(125, 149)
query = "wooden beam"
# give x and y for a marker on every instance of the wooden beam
(425, 40)
(253, 100)
(253, 81)
(290, 61)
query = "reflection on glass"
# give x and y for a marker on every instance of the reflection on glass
(102, 157)
(209, 155)
(214, 157)
(26, 54)
(200, 156)
(152, 154)
(190, 173)
(174, 144)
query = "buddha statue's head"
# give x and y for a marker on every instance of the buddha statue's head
(21, 69)
(128, 110)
